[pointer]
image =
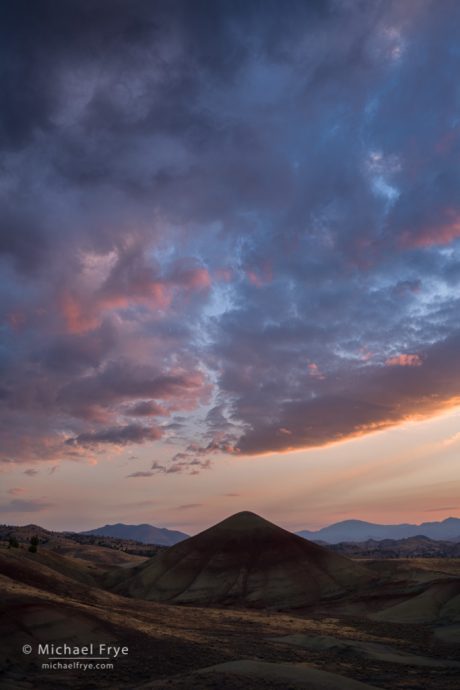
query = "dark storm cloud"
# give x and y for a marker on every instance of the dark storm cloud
(246, 212)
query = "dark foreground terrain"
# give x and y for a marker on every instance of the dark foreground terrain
(399, 629)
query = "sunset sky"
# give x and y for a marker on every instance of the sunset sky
(230, 261)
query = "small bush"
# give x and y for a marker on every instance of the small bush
(33, 544)
(13, 543)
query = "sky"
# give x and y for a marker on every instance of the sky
(229, 261)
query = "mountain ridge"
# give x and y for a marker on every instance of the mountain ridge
(144, 533)
(354, 530)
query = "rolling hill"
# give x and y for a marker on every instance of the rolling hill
(244, 560)
(402, 626)
(412, 547)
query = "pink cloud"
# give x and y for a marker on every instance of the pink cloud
(445, 232)
(315, 372)
(365, 354)
(189, 276)
(404, 360)
(25, 442)
(133, 280)
(155, 295)
(78, 317)
(284, 431)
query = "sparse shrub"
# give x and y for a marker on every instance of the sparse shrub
(13, 543)
(33, 544)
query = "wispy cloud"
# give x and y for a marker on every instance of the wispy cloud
(189, 506)
(141, 474)
(19, 505)
(17, 491)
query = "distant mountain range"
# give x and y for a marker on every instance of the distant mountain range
(360, 531)
(147, 534)
(350, 531)
(412, 547)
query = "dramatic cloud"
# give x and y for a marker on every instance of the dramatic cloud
(242, 215)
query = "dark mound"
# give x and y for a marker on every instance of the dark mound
(245, 560)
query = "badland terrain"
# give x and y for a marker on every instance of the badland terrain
(244, 604)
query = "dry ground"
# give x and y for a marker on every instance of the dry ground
(50, 597)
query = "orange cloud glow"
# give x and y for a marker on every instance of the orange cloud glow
(446, 232)
(78, 318)
(315, 372)
(404, 361)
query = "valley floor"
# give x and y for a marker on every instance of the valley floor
(383, 638)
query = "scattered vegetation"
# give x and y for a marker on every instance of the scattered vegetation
(34, 542)
(23, 535)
